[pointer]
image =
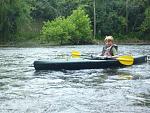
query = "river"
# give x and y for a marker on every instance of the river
(24, 90)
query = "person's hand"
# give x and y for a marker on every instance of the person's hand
(109, 57)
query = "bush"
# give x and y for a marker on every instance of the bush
(83, 32)
(74, 29)
(58, 30)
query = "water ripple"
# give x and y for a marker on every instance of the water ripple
(24, 90)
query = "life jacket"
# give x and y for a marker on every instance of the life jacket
(107, 51)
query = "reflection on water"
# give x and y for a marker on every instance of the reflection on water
(24, 90)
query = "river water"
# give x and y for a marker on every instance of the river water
(24, 90)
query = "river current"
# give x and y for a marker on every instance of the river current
(24, 90)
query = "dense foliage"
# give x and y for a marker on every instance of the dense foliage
(13, 15)
(121, 18)
(74, 29)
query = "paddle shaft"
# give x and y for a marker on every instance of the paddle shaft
(125, 60)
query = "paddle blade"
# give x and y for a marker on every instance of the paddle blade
(126, 60)
(75, 53)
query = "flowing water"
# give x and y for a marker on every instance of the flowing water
(24, 90)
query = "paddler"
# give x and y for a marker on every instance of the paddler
(110, 49)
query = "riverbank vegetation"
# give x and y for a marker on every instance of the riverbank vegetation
(72, 21)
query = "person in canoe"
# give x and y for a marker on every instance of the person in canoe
(110, 49)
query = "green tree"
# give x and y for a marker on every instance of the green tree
(59, 30)
(145, 27)
(83, 32)
(110, 17)
(75, 29)
(13, 15)
(44, 10)
(51, 9)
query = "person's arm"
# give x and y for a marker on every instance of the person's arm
(103, 50)
(114, 51)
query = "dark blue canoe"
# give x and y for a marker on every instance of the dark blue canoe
(84, 64)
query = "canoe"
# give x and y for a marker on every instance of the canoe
(77, 64)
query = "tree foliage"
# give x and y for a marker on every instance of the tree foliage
(145, 27)
(51, 9)
(74, 29)
(113, 17)
(58, 30)
(13, 14)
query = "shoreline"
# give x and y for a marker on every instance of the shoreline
(47, 45)
(36, 44)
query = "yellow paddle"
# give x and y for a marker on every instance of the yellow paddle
(75, 53)
(125, 60)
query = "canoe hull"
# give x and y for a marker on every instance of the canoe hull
(84, 64)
